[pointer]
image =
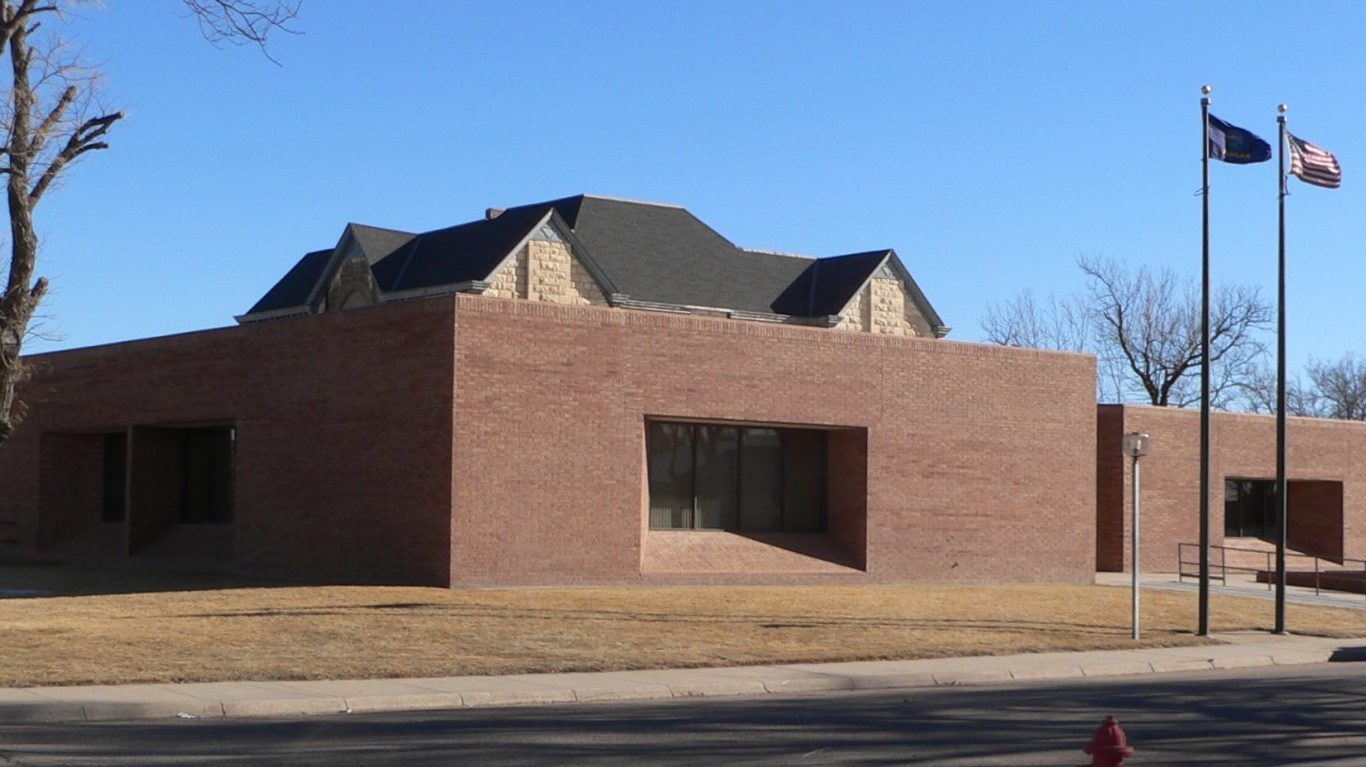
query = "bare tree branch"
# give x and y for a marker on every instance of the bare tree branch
(81, 140)
(243, 22)
(48, 121)
(1144, 328)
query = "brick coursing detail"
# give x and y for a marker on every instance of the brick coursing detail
(343, 419)
(1242, 446)
(475, 440)
(980, 460)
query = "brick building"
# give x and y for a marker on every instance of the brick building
(1326, 506)
(584, 390)
(590, 390)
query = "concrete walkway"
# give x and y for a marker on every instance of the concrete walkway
(245, 699)
(1240, 586)
(255, 699)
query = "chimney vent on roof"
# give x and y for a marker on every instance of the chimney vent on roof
(493, 213)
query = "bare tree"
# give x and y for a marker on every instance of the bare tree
(1144, 328)
(1339, 387)
(1258, 394)
(243, 22)
(1060, 324)
(50, 120)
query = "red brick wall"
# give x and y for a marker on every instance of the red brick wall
(155, 457)
(1242, 446)
(1112, 487)
(344, 432)
(352, 462)
(74, 466)
(847, 493)
(980, 460)
(1315, 518)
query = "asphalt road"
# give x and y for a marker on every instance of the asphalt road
(1303, 715)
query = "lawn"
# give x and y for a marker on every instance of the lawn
(337, 632)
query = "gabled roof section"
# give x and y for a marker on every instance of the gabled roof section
(828, 284)
(464, 253)
(376, 243)
(642, 254)
(916, 295)
(664, 254)
(294, 288)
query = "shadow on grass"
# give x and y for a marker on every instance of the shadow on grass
(766, 621)
(51, 579)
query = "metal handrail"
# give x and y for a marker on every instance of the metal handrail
(1345, 564)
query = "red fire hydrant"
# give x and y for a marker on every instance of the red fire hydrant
(1109, 746)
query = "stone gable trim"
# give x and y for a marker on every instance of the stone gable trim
(340, 253)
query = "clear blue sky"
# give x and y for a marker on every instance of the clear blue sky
(989, 143)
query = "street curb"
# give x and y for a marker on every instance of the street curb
(286, 699)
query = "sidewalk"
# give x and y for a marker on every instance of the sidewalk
(1240, 586)
(247, 699)
(258, 699)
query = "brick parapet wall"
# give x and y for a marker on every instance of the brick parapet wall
(342, 454)
(479, 440)
(1112, 487)
(1242, 446)
(981, 463)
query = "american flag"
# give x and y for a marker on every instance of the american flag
(1313, 165)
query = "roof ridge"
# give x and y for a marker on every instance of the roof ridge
(876, 252)
(784, 253)
(610, 198)
(380, 228)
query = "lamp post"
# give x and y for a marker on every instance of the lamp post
(1135, 446)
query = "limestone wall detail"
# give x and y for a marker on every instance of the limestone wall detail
(888, 301)
(546, 270)
(554, 275)
(511, 280)
(883, 306)
(352, 286)
(855, 316)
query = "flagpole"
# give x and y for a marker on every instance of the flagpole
(1282, 494)
(1204, 366)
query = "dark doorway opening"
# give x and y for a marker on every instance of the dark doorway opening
(115, 485)
(1250, 509)
(206, 487)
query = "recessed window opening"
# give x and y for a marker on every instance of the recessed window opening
(115, 481)
(1250, 509)
(743, 478)
(208, 456)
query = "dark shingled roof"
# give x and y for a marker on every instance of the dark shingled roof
(664, 254)
(376, 243)
(463, 253)
(828, 284)
(641, 251)
(294, 288)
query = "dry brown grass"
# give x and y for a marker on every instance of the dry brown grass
(358, 632)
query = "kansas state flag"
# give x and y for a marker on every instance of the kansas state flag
(1233, 144)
